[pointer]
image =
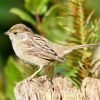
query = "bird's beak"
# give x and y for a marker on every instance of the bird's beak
(7, 33)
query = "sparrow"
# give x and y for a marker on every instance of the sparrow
(35, 49)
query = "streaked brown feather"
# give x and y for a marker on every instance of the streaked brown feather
(38, 46)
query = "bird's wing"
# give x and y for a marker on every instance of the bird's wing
(39, 46)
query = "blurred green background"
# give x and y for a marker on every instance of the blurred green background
(30, 12)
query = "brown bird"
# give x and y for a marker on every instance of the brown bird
(35, 49)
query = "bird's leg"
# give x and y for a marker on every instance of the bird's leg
(32, 76)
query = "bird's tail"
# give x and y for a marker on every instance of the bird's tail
(71, 48)
(84, 45)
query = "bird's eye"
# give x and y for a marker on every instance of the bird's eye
(15, 33)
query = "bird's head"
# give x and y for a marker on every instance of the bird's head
(18, 31)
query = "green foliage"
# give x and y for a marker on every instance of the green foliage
(84, 31)
(2, 95)
(23, 15)
(51, 27)
(12, 76)
(36, 7)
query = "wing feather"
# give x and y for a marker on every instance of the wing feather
(39, 46)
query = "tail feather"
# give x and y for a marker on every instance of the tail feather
(71, 48)
(84, 45)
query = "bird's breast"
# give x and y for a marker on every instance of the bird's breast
(18, 48)
(20, 51)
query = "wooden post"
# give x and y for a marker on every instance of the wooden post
(59, 89)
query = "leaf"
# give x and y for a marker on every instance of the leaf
(50, 26)
(12, 75)
(23, 15)
(2, 96)
(36, 7)
(72, 73)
